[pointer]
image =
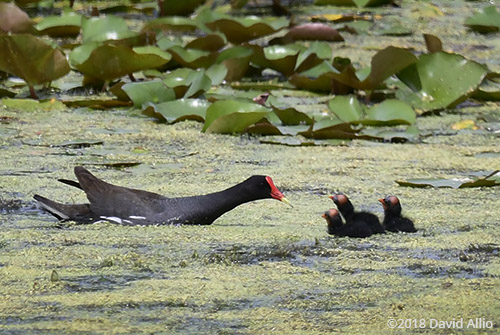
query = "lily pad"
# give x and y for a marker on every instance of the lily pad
(66, 25)
(389, 113)
(183, 7)
(327, 129)
(97, 103)
(244, 29)
(210, 42)
(31, 59)
(439, 80)
(312, 32)
(108, 62)
(149, 91)
(178, 110)
(385, 63)
(232, 116)
(236, 60)
(291, 116)
(100, 29)
(79, 143)
(490, 179)
(300, 142)
(358, 3)
(187, 83)
(346, 108)
(192, 58)
(14, 20)
(486, 20)
(171, 23)
(281, 58)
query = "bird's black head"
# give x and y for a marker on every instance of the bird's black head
(391, 204)
(262, 187)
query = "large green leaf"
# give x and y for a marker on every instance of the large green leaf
(440, 80)
(281, 58)
(385, 63)
(192, 58)
(358, 3)
(210, 42)
(390, 112)
(239, 30)
(31, 59)
(490, 179)
(14, 20)
(233, 116)
(110, 28)
(183, 7)
(346, 108)
(178, 110)
(65, 25)
(174, 23)
(236, 60)
(484, 21)
(149, 91)
(108, 62)
(290, 116)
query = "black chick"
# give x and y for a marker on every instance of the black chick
(346, 208)
(337, 228)
(393, 221)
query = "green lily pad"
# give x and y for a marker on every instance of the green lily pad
(97, 103)
(315, 54)
(389, 113)
(312, 32)
(327, 129)
(244, 29)
(410, 134)
(486, 20)
(232, 116)
(291, 116)
(358, 3)
(216, 73)
(178, 110)
(236, 60)
(316, 79)
(31, 59)
(100, 29)
(30, 105)
(385, 63)
(187, 83)
(108, 62)
(192, 58)
(281, 58)
(78, 143)
(171, 23)
(210, 42)
(433, 43)
(66, 25)
(346, 108)
(14, 20)
(491, 179)
(300, 142)
(149, 91)
(184, 7)
(439, 80)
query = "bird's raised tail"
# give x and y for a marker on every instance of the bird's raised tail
(79, 212)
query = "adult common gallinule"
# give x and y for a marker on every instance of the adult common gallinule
(353, 229)
(393, 221)
(136, 207)
(346, 208)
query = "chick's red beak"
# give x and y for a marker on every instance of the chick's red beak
(382, 201)
(276, 194)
